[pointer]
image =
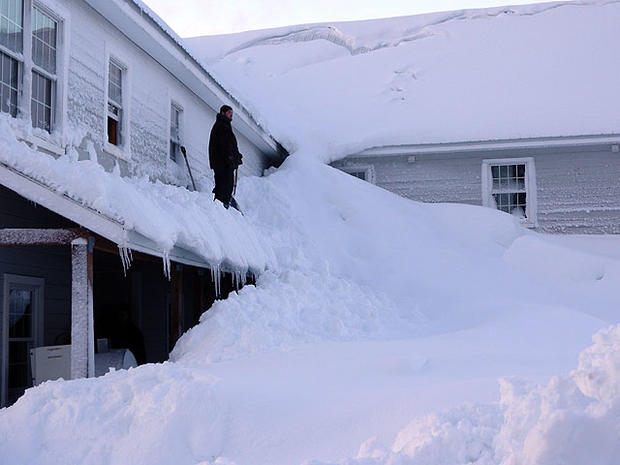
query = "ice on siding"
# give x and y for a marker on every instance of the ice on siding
(168, 215)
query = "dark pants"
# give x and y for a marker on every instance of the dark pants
(224, 181)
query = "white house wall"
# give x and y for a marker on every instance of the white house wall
(150, 90)
(578, 188)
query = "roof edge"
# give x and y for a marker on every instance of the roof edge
(249, 126)
(465, 146)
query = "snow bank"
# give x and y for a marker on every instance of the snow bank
(369, 310)
(570, 421)
(541, 258)
(523, 72)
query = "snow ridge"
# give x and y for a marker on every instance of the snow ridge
(350, 43)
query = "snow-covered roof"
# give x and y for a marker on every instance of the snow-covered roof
(159, 219)
(138, 22)
(498, 74)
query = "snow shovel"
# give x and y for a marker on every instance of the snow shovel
(189, 170)
(233, 202)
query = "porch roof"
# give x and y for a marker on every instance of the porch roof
(154, 218)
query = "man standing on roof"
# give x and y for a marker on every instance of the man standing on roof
(224, 157)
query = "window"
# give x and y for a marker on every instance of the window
(44, 31)
(363, 172)
(115, 103)
(509, 185)
(42, 60)
(11, 47)
(8, 84)
(175, 131)
(12, 24)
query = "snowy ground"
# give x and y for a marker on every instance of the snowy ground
(379, 327)
(376, 312)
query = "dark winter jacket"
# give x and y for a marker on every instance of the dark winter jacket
(223, 150)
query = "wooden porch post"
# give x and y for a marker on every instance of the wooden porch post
(82, 331)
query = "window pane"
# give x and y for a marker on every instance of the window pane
(20, 313)
(44, 30)
(115, 115)
(41, 103)
(174, 150)
(8, 84)
(11, 24)
(115, 84)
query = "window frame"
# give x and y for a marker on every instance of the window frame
(38, 324)
(174, 106)
(35, 68)
(122, 150)
(111, 102)
(368, 170)
(19, 89)
(531, 202)
(26, 67)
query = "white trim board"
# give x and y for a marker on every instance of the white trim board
(404, 150)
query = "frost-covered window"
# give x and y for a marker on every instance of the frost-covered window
(175, 131)
(358, 174)
(363, 172)
(509, 185)
(15, 22)
(508, 190)
(12, 24)
(44, 40)
(9, 72)
(115, 103)
(11, 48)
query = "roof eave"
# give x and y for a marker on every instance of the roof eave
(141, 29)
(469, 146)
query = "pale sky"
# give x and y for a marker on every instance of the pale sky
(206, 17)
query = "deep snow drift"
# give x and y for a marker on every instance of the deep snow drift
(374, 312)
(470, 75)
(378, 327)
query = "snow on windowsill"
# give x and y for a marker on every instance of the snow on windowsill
(116, 151)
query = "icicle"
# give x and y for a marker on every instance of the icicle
(217, 281)
(126, 257)
(166, 264)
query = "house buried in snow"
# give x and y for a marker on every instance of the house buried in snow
(512, 108)
(97, 96)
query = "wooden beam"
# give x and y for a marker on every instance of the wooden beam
(39, 237)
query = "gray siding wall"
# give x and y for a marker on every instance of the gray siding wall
(578, 188)
(150, 90)
(53, 264)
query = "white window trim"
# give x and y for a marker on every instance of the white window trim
(121, 151)
(531, 209)
(368, 169)
(25, 65)
(39, 323)
(179, 107)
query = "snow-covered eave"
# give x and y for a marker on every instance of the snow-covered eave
(140, 27)
(94, 221)
(471, 146)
